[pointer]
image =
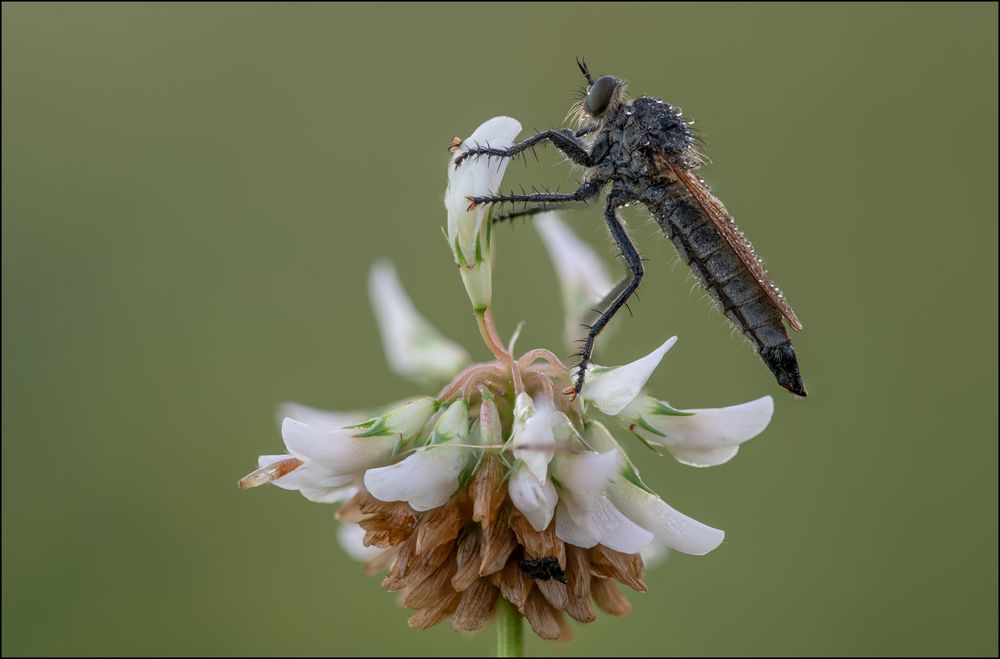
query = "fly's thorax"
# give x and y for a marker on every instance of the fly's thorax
(640, 139)
(659, 129)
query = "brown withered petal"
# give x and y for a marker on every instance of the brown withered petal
(578, 572)
(554, 592)
(565, 631)
(487, 491)
(432, 589)
(538, 544)
(475, 607)
(627, 568)
(580, 608)
(440, 525)
(381, 561)
(350, 511)
(544, 620)
(431, 616)
(514, 584)
(382, 533)
(369, 504)
(608, 597)
(498, 543)
(427, 563)
(398, 513)
(385, 523)
(467, 560)
(396, 577)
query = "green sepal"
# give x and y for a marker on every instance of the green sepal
(372, 428)
(438, 437)
(632, 476)
(646, 443)
(460, 255)
(663, 409)
(467, 472)
(642, 423)
(479, 249)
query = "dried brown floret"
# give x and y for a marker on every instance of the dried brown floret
(475, 606)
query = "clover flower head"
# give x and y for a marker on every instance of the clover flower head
(499, 486)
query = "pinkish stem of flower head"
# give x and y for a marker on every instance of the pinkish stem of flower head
(541, 353)
(471, 377)
(488, 330)
(515, 374)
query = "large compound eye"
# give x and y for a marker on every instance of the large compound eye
(599, 95)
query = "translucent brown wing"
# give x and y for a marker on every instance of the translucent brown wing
(724, 223)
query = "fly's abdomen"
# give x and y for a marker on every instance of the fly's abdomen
(732, 286)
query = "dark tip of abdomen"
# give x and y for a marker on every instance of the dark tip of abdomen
(785, 366)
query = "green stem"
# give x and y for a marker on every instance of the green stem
(510, 635)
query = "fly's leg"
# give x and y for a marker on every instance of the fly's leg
(513, 215)
(625, 290)
(586, 191)
(527, 212)
(564, 140)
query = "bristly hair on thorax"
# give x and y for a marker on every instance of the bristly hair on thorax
(580, 119)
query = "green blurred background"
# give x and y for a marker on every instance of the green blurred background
(192, 196)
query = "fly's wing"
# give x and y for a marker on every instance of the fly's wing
(727, 227)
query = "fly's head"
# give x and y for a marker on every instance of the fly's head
(600, 100)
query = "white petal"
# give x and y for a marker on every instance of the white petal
(413, 348)
(352, 539)
(708, 437)
(654, 554)
(535, 498)
(611, 389)
(583, 476)
(616, 531)
(490, 427)
(336, 450)
(310, 475)
(404, 422)
(573, 529)
(425, 479)
(534, 441)
(319, 418)
(469, 233)
(477, 177)
(603, 524)
(336, 495)
(672, 528)
(583, 279)
(452, 425)
(703, 458)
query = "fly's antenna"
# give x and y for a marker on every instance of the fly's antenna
(582, 63)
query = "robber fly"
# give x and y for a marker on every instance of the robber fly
(646, 152)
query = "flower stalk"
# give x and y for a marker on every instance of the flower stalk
(488, 331)
(510, 631)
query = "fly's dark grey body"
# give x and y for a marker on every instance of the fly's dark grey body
(644, 151)
(736, 292)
